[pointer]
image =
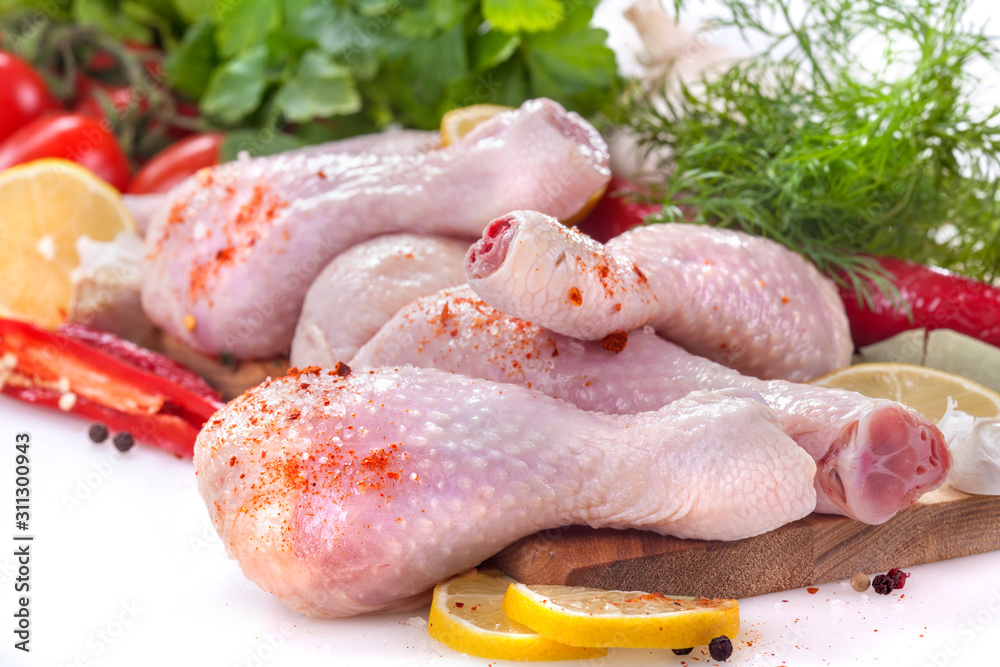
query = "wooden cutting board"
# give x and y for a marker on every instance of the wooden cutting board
(817, 549)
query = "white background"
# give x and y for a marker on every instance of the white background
(127, 571)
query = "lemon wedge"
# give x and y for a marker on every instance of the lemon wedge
(459, 122)
(45, 206)
(467, 615)
(926, 390)
(627, 619)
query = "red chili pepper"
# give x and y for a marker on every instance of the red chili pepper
(616, 212)
(114, 382)
(938, 299)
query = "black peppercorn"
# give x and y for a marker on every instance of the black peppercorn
(123, 441)
(98, 433)
(682, 651)
(720, 648)
(882, 584)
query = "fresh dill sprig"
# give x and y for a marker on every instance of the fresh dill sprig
(808, 145)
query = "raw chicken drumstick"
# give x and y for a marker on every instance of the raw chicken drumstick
(741, 300)
(350, 492)
(874, 456)
(234, 249)
(363, 287)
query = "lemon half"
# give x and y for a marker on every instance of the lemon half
(45, 206)
(926, 390)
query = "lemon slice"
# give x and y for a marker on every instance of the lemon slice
(926, 390)
(457, 123)
(466, 615)
(45, 206)
(627, 619)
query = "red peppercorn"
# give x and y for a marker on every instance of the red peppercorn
(720, 648)
(898, 577)
(882, 584)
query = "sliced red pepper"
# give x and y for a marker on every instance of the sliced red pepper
(113, 381)
(144, 359)
(937, 299)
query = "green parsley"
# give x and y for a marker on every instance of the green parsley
(326, 69)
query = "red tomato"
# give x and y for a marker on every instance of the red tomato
(175, 163)
(72, 137)
(23, 95)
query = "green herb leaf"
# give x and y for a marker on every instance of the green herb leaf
(236, 88)
(257, 143)
(434, 16)
(107, 15)
(494, 48)
(436, 63)
(320, 88)
(377, 7)
(570, 59)
(331, 27)
(512, 16)
(244, 23)
(193, 11)
(191, 65)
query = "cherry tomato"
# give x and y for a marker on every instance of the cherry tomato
(128, 104)
(23, 95)
(73, 137)
(175, 163)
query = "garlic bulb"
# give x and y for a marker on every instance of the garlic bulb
(975, 451)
